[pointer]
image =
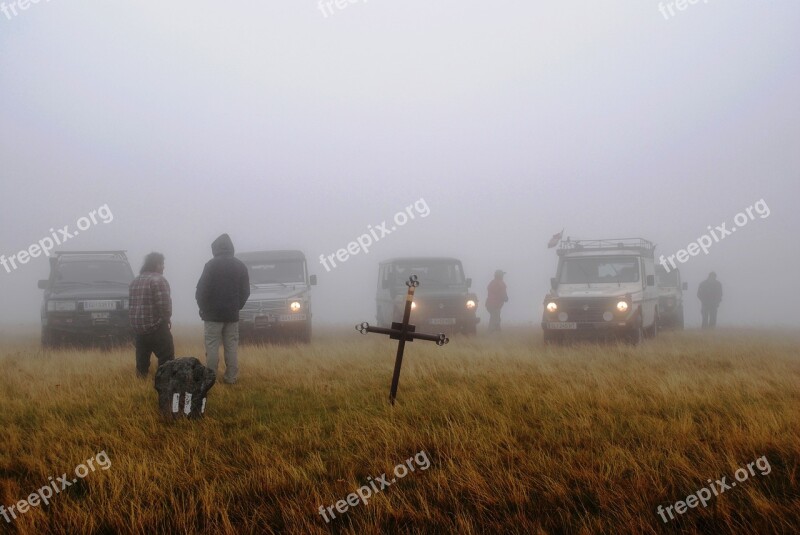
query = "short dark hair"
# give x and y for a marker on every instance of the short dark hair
(151, 262)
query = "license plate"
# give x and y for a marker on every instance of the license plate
(262, 322)
(100, 315)
(562, 325)
(100, 305)
(293, 317)
(443, 321)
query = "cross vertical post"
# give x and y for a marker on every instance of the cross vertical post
(403, 332)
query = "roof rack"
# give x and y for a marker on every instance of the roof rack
(120, 253)
(640, 245)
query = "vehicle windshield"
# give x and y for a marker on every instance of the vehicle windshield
(599, 270)
(666, 280)
(94, 271)
(280, 272)
(430, 274)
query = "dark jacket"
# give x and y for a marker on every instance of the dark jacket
(224, 286)
(710, 292)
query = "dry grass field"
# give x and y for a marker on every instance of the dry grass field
(521, 438)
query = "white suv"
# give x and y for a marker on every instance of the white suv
(603, 288)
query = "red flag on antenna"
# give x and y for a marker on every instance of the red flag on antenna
(555, 239)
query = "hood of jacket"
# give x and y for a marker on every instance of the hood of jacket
(222, 246)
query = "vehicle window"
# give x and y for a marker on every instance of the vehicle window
(667, 280)
(277, 272)
(93, 271)
(599, 270)
(437, 273)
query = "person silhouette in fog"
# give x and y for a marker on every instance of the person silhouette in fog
(710, 294)
(496, 298)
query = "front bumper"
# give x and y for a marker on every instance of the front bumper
(274, 324)
(589, 329)
(97, 324)
(590, 317)
(443, 323)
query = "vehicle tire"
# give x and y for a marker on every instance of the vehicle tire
(469, 329)
(48, 338)
(636, 335)
(305, 334)
(652, 332)
(552, 339)
(679, 319)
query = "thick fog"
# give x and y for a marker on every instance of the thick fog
(294, 126)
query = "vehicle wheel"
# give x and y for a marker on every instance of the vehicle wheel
(380, 321)
(469, 329)
(305, 334)
(636, 335)
(551, 339)
(679, 320)
(652, 332)
(48, 338)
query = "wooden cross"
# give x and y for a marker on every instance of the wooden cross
(404, 332)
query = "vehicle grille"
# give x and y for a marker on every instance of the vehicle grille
(445, 307)
(587, 310)
(265, 307)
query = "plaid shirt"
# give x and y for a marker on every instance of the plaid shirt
(150, 302)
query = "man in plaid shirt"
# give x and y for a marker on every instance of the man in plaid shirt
(150, 314)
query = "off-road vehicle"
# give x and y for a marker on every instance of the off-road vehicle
(442, 302)
(602, 289)
(280, 296)
(86, 298)
(670, 297)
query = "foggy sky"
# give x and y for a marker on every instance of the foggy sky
(512, 119)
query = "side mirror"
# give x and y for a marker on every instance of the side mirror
(385, 283)
(651, 280)
(469, 282)
(685, 286)
(43, 284)
(553, 283)
(313, 280)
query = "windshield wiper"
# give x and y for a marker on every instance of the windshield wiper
(588, 284)
(616, 274)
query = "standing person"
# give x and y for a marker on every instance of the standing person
(710, 294)
(497, 296)
(150, 314)
(222, 291)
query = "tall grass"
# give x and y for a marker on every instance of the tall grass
(522, 438)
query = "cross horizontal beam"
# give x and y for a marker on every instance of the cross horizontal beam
(397, 334)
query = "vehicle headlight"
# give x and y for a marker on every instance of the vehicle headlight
(471, 304)
(295, 306)
(61, 306)
(622, 306)
(413, 305)
(552, 306)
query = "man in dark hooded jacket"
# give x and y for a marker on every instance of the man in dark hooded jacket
(222, 291)
(710, 294)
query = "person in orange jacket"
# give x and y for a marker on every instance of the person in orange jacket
(497, 296)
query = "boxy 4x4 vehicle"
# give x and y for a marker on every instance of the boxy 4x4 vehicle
(86, 298)
(670, 297)
(603, 288)
(442, 302)
(280, 296)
